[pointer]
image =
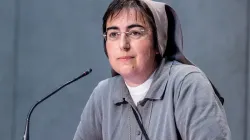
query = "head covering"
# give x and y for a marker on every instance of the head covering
(164, 17)
(169, 35)
(168, 31)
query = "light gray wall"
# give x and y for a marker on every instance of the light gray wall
(58, 40)
(44, 44)
(248, 74)
(7, 68)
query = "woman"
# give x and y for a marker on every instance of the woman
(155, 92)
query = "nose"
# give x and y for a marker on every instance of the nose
(124, 42)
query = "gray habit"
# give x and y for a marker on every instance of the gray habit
(180, 105)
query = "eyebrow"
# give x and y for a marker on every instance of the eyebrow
(129, 27)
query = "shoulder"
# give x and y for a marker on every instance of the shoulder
(180, 72)
(187, 77)
(190, 80)
(106, 84)
(104, 88)
(184, 69)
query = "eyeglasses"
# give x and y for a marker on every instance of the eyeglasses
(134, 34)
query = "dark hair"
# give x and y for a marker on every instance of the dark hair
(141, 7)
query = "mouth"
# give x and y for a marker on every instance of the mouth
(126, 58)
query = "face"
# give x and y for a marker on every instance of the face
(130, 54)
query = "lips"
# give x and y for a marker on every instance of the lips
(125, 57)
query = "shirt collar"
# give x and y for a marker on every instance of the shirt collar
(156, 91)
(119, 92)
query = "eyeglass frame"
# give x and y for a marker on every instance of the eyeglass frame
(144, 31)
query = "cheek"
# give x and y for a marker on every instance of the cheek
(111, 52)
(145, 51)
(146, 58)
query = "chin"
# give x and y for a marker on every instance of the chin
(127, 72)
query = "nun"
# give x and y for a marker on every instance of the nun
(155, 92)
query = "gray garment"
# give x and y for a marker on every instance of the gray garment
(180, 105)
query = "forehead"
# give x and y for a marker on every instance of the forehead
(125, 17)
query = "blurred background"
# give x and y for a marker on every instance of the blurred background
(45, 43)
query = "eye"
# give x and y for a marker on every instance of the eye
(136, 33)
(113, 34)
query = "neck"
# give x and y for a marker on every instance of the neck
(138, 78)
